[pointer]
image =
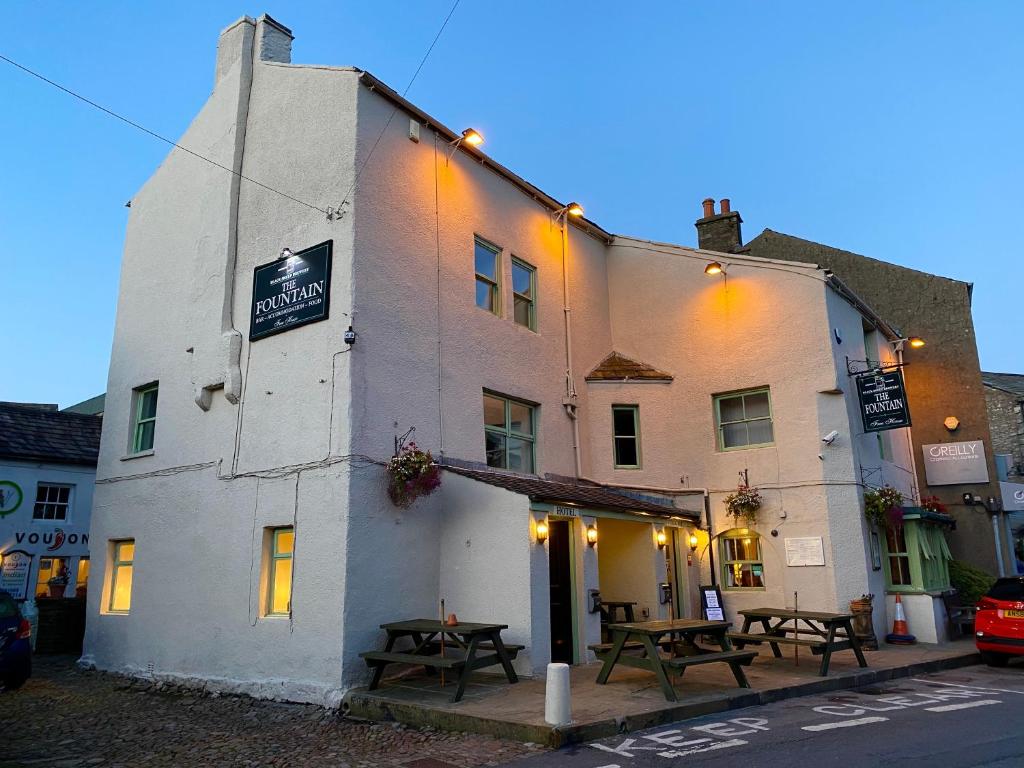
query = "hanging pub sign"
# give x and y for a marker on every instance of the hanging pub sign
(291, 291)
(883, 401)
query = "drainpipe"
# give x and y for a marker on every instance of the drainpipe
(569, 402)
(711, 536)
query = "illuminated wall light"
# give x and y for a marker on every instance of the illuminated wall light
(591, 535)
(662, 538)
(574, 209)
(916, 342)
(542, 531)
(693, 542)
(714, 268)
(472, 137)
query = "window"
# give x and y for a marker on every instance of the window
(52, 502)
(508, 433)
(279, 575)
(744, 419)
(524, 294)
(742, 566)
(626, 425)
(899, 557)
(144, 418)
(122, 567)
(51, 568)
(82, 580)
(918, 555)
(487, 276)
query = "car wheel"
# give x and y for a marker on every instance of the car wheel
(995, 659)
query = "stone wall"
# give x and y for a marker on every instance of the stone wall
(1006, 421)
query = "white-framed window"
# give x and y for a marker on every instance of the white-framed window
(626, 429)
(144, 417)
(742, 564)
(487, 263)
(524, 294)
(122, 573)
(279, 571)
(509, 433)
(744, 419)
(53, 500)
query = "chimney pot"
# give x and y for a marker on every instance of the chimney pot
(709, 207)
(725, 205)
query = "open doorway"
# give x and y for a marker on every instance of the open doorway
(560, 576)
(675, 573)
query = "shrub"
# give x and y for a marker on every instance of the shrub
(970, 582)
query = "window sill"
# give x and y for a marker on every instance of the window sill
(114, 613)
(275, 616)
(746, 447)
(744, 589)
(138, 455)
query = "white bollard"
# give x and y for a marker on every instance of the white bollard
(557, 706)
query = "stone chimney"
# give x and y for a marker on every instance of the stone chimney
(719, 231)
(272, 39)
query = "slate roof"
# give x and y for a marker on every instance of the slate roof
(589, 496)
(31, 434)
(93, 406)
(618, 367)
(1008, 382)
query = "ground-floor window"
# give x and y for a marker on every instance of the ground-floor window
(53, 572)
(279, 572)
(82, 578)
(899, 558)
(122, 573)
(917, 553)
(742, 564)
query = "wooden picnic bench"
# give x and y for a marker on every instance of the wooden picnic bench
(681, 637)
(463, 647)
(825, 633)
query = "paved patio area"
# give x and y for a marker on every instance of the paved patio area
(632, 699)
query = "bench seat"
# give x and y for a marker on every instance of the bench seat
(379, 658)
(681, 662)
(744, 637)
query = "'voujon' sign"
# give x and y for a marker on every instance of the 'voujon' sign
(883, 401)
(292, 291)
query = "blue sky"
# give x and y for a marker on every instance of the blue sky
(890, 129)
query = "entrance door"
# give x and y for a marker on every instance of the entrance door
(674, 573)
(560, 574)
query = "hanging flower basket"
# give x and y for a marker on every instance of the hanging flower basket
(412, 473)
(883, 507)
(743, 504)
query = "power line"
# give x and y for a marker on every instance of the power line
(156, 135)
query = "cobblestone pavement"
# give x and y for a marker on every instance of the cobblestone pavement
(66, 717)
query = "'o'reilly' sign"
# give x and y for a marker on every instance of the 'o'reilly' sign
(883, 401)
(290, 292)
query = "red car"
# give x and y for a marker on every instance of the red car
(999, 625)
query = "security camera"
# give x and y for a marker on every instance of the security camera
(830, 437)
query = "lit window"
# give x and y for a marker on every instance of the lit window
(82, 580)
(509, 433)
(626, 423)
(52, 502)
(524, 294)
(52, 571)
(279, 575)
(744, 419)
(144, 418)
(122, 569)
(487, 276)
(742, 566)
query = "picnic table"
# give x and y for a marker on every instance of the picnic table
(461, 647)
(611, 607)
(829, 632)
(679, 636)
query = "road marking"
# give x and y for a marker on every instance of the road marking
(975, 687)
(844, 723)
(965, 705)
(709, 748)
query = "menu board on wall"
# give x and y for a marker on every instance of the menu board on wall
(14, 572)
(808, 550)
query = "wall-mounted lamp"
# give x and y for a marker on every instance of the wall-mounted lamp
(542, 531)
(693, 541)
(662, 538)
(591, 535)
(916, 342)
(470, 136)
(714, 268)
(286, 253)
(572, 209)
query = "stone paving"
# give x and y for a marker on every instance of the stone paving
(66, 717)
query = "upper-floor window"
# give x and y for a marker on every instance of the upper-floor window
(744, 419)
(509, 433)
(524, 294)
(626, 425)
(144, 418)
(52, 502)
(742, 564)
(488, 272)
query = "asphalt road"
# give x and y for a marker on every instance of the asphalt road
(965, 717)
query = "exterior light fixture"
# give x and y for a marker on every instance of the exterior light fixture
(470, 136)
(286, 253)
(542, 531)
(591, 535)
(661, 538)
(574, 209)
(714, 268)
(916, 342)
(693, 541)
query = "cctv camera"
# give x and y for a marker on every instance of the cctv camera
(830, 437)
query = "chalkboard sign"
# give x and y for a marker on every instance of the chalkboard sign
(290, 292)
(711, 604)
(883, 401)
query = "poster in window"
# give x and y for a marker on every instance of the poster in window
(883, 401)
(14, 572)
(291, 292)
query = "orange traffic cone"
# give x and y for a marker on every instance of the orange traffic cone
(900, 634)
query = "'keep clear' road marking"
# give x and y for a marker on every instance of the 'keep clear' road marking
(965, 705)
(677, 743)
(844, 723)
(986, 688)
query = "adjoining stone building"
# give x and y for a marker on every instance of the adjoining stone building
(1004, 394)
(943, 378)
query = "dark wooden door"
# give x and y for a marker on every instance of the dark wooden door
(560, 570)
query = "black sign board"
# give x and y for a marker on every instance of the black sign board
(883, 401)
(290, 292)
(711, 603)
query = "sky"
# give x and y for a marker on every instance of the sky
(889, 129)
